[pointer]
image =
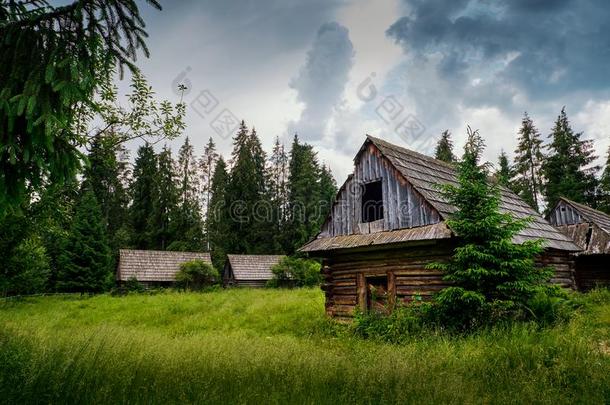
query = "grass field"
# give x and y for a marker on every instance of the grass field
(276, 346)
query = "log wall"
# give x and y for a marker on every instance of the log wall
(408, 279)
(592, 271)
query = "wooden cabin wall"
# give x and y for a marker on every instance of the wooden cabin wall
(408, 279)
(563, 265)
(405, 268)
(592, 271)
(588, 236)
(403, 207)
(564, 214)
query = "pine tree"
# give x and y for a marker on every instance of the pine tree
(143, 192)
(86, 263)
(567, 168)
(303, 196)
(106, 173)
(217, 221)
(528, 161)
(207, 164)
(504, 172)
(165, 203)
(444, 148)
(328, 193)
(492, 276)
(604, 188)
(188, 227)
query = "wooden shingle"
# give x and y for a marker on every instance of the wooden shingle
(154, 265)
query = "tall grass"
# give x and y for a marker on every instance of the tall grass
(269, 346)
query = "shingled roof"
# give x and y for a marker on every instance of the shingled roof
(601, 219)
(253, 267)
(425, 174)
(154, 265)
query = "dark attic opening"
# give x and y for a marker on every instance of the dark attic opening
(372, 202)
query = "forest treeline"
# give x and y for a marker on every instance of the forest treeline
(541, 173)
(67, 237)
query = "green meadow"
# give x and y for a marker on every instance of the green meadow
(277, 346)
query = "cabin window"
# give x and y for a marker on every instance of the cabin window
(377, 293)
(372, 202)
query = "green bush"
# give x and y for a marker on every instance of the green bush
(195, 275)
(295, 272)
(398, 326)
(133, 285)
(27, 270)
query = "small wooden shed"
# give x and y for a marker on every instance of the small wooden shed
(589, 229)
(154, 267)
(249, 270)
(388, 222)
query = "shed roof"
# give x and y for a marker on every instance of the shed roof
(425, 173)
(253, 267)
(422, 233)
(601, 219)
(154, 265)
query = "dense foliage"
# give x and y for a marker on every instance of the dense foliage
(295, 272)
(85, 261)
(196, 274)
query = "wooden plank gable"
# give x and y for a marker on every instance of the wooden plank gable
(403, 205)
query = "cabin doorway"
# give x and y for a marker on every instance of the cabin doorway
(377, 293)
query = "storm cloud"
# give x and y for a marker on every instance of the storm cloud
(542, 47)
(321, 81)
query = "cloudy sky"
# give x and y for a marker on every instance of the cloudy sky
(403, 70)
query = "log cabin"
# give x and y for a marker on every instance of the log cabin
(249, 270)
(154, 268)
(388, 222)
(590, 230)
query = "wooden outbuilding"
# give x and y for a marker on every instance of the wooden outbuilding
(154, 267)
(589, 229)
(249, 270)
(388, 222)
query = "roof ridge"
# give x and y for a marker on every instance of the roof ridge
(413, 152)
(162, 251)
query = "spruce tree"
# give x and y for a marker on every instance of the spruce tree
(143, 192)
(278, 177)
(86, 262)
(504, 172)
(218, 220)
(492, 276)
(106, 172)
(54, 58)
(188, 226)
(164, 208)
(262, 225)
(444, 148)
(604, 187)
(328, 192)
(567, 169)
(247, 196)
(303, 196)
(528, 161)
(207, 164)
